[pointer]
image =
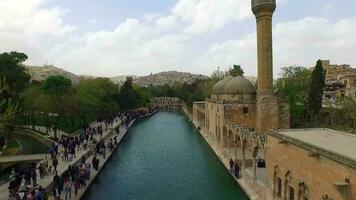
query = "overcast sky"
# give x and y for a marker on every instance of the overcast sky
(117, 37)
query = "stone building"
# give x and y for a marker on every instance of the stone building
(166, 102)
(251, 126)
(349, 81)
(311, 164)
(334, 72)
(340, 80)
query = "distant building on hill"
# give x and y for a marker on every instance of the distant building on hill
(340, 80)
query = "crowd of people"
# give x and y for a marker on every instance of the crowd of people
(23, 181)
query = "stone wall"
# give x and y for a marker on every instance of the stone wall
(318, 176)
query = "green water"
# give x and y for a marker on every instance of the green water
(31, 146)
(163, 158)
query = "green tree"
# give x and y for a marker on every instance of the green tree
(316, 89)
(8, 111)
(96, 98)
(13, 77)
(30, 103)
(128, 97)
(294, 85)
(57, 87)
(236, 70)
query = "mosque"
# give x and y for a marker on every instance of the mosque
(250, 125)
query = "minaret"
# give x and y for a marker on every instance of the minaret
(267, 106)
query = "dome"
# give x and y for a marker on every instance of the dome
(239, 85)
(219, 86)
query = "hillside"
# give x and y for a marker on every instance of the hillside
(169, 78)
(41, 73)
(162, 78)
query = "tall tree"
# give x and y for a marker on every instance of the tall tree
(30, 103)
(316, 89)
(236, 70)
(129, 98)
(57, 87)
(13, 77)
(96, 98)
(294, 85)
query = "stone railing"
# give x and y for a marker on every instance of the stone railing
(248, 134)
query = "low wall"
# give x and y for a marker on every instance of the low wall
(34, 135)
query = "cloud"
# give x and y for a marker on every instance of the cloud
(299, 42)
(133, 47)
(181, 40)
(211, 15)
(27, 26)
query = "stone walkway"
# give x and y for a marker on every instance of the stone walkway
(62, 166)
(102, 162)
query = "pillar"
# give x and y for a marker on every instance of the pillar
(267, 105)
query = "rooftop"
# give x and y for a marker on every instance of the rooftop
(335, 144)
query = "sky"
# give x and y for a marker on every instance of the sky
(121, 37)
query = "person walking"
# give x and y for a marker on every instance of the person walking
(68, 189)
(237, 170)
(55, 164)
(41, 170)
(231, 163)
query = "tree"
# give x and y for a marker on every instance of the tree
(8, 112)
(56, 85)
(128, 97)
(13, 77)
(294, 85)
(236, 70)
(30, 103)
(96, 98)
(316, 89)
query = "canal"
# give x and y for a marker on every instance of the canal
(163, 157)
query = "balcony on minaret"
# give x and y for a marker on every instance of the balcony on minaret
(263, 5)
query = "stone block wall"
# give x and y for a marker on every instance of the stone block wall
(316, 176)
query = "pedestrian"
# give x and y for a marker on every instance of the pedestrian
(237, 170)
(41, 170)
(34, 177)
(55, 164)
(231, 163)
(68, 189)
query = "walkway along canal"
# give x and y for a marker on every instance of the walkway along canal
(164, 157)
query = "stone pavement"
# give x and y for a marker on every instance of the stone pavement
(102, 162)
(62, 166)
